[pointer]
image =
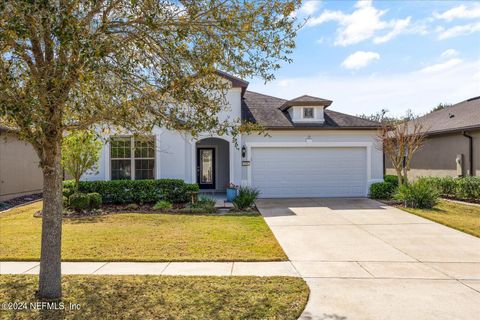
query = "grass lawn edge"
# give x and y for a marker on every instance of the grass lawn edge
(429, 215)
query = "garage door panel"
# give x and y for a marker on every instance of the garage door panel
(309, 172)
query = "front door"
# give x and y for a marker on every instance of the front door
(206, 168)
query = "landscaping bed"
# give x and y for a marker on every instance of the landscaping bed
(163, 297)
(174, 196)
(7, 204)
(148, 208)
(143, 237)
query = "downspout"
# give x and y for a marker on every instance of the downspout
(470, 150)
(384, 164)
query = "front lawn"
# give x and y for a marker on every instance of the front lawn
(455, 215)
(142, 237)
(163, 297)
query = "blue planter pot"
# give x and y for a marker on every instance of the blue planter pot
(231, 194)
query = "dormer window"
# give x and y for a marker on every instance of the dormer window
(308, 113)
(306, 109)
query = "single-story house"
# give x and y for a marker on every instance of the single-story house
(20, 173)
(452, 144)
(310, 150)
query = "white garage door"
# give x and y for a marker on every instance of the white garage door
(309, 172)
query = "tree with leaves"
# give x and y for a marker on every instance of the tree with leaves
(441, 106)
(78, 64)
(80, 153)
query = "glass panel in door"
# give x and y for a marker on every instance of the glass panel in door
(206, 168)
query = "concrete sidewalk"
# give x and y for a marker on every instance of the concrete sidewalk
(281, 268)
(306, 269)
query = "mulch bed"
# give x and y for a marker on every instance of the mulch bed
(4, 205)
(142, 208)
(179, 208)
(113, 209)
(475, 201)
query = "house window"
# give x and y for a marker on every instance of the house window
(132, 158)
(308, 113)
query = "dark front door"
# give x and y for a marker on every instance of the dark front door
(206, 168)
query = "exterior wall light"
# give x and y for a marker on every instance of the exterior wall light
(308, 139)
(244, 152)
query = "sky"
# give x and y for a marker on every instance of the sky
(372, 55)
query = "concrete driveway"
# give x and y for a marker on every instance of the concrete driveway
(365, 260)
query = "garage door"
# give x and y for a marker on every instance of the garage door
(309, 172)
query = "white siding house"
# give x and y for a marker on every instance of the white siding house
(309, 151)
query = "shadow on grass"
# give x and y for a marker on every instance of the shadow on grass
(166, 297)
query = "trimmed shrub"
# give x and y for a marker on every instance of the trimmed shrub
(79, 201)
(246, 198)
(65, 202)
(382, 190)
(446, 185)
(95, 200)
(467, 188)
(392, 179)
(419, 194)
(67, 192)
(162, 205)
(137, 191)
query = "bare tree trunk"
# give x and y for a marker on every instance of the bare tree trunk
(50, 269)
(405, 176)
(399, 176)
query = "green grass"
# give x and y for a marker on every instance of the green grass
(163, 297)
(142, 237)
(455, 215)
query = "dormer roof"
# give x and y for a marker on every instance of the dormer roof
(306, 100)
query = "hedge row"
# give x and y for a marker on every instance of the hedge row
(464, 188)
(135, 191)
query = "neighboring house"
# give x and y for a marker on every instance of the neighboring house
(310, 151)
(20, 173)
(452, 146)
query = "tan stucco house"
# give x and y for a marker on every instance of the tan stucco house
(19, 170)
(452, 146)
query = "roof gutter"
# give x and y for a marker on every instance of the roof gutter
(470, 151)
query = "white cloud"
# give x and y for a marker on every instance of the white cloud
(399, 26)
(457, 31)
(361, 24)
(310, 7)
(459, 12)
(420, 91)
(359, 59)
(449, 53)
(434, 68)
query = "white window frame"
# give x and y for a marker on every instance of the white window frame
(314, 113)
(132, 155)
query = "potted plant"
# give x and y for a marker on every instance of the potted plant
(232, 191)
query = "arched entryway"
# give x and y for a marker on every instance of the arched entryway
(212, 164)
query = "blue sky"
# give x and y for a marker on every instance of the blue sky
(369, 55)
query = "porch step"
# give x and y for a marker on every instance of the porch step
(220, 203)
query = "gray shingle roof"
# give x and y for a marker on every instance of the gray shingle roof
(267, 111)
(236, 82)
(461, 116)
